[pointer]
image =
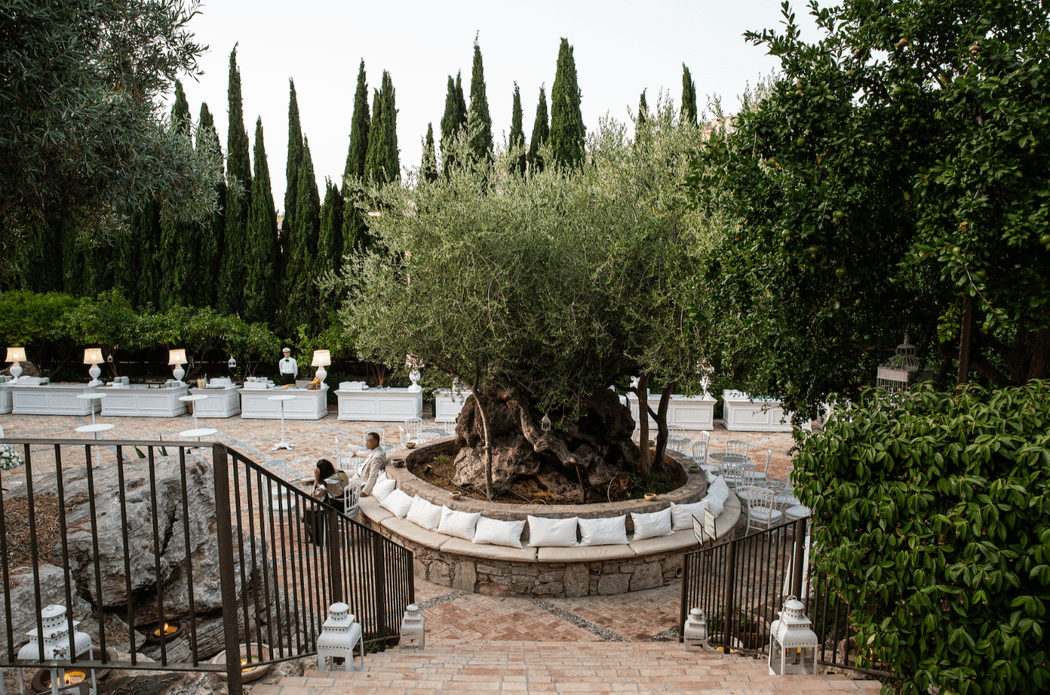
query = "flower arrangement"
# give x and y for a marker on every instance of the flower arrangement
(10, 458)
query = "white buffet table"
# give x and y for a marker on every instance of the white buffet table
(139, 400)
(307, 404)
(447, 407)
(380, 404)
(687, 412)
(746, 414)
(221, 401)
(52, 399)
(5, 398)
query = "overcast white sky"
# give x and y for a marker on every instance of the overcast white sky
(621, 47)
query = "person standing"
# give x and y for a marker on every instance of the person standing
(288, 367)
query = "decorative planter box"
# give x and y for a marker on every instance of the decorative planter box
(687, 412)
(447, 408)
(5, 399)
(141, 401)
(307, 405)
(380, 405)
(222, 401)
(52, 399)
(746, 414)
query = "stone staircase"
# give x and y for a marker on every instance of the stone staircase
(553, 667)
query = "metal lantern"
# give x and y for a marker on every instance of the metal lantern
(695, 632)
(545, 423)
(903, 369)
(412, 636)
(792, 644)
(232, 363)
(339, 635)
(59, 645)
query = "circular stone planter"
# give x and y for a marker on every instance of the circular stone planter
(248, 673)
(529, 571)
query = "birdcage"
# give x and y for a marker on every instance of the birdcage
(903, 369)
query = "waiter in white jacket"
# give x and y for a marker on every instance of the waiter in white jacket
(288, 367)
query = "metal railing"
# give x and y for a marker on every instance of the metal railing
(224, 554)
(741, 584)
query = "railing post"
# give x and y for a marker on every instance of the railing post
(334, 538)
(379, 580)
(685, 597)
(730, 581)
(227, 576)
(798, 571)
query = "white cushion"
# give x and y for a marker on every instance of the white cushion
(424, 513)
(495, 532)
(717, 494)
(552, 533)
(458, 524)
(682, 514)
(609, 531)
(382, 489)
(397, 503)
(652, 525)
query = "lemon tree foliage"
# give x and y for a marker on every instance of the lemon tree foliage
(893, 177)
(81, 126)
(552, 286)
(932, 517)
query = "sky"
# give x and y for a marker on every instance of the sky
(621, 47)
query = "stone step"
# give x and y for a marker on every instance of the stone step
(521, 667)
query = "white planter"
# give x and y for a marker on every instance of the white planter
(379, 405)
(52, 399)
(687, 412)
(141, 401)
(307, 405)
(742, 413)
(220, 402)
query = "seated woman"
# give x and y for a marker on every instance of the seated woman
(329, 493)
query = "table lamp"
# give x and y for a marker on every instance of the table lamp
(16, 355)
(177, 358)
(322, 358)
(93, 356)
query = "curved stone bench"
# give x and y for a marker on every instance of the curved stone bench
(530, 571)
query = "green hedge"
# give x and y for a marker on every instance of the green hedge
(932, 517)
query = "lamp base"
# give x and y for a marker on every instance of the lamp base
(322, 374)
(178, 373)
(16, 370)
(95, 373)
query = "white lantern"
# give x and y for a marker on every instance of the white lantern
(902, 370)
(791, 642)
(412, 636)
(59, 645)
(339, 635)
(232, 363)
(695, 632)
(545, 423)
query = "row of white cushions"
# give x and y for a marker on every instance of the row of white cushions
(717, 494)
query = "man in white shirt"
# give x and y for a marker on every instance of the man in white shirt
(288, 367)
(375, 463)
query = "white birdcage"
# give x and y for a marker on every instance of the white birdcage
(903, 369)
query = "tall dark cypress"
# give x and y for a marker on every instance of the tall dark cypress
(300, 302)
(291, 173)
(479, 122)
(261, 249)
(213, 230)
(355, 231)
(146, 234)
(382, 161)
(454, 120)
(374, 156)
(567, 129)
(540, 134)
(428, 168)
(643, 116)
(517, 135)
(689, 112)
(330, 237)
(238, 200)
(180, 241)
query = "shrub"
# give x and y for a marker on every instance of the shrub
(932, 516)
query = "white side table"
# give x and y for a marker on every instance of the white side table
(192, 399)
(283, 444)
(94, 428)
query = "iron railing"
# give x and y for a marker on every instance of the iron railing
(741, 584)
(156, 538)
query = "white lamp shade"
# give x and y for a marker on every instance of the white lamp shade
(93, 356)
(176, 357)
(16, 354)
(322, 358)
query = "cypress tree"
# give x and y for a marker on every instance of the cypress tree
(454, 120)
(517, 135)
(374, 156)
(479, 122)
(179, 240)
(213, 230)
(330, 239)
(291, 172)
(382, 163)
(643, 116)
(261, 249)
(238, 201)
(428, 169)
(146, 235)
(689, 112)
(300, 305)
(567, 129)
(354, 229)
(540, 134)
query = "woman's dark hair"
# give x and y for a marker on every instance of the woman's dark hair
(326, 468)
